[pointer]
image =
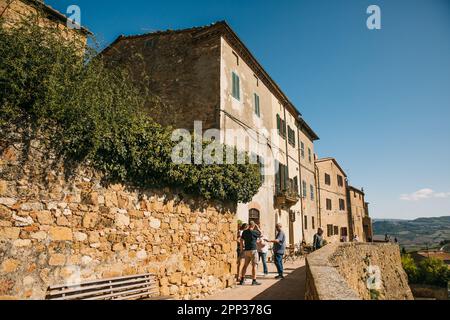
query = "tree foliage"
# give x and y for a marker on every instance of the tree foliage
(93, 115)
(429, 271)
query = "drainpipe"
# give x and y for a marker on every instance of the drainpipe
(300, 177)
(319, 205)
(287, 153)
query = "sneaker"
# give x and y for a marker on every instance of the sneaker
(241, 283)
(255, 283)
(279, 277)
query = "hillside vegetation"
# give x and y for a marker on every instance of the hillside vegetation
(415, 234)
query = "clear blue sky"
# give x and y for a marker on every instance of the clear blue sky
(379, 100)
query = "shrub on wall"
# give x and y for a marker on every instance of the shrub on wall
(92, 115)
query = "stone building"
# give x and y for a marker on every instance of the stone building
(13, 11)
(207, 74)
(367, 224)
(357, 212)
(333, 207)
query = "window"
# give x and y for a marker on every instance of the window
(295, 185)
(340, 181)
(341, 204)
(291, 136)
(336, 230)
(281, 126)
(254, 215)
(257, 80)
(344, 232)
(302, 149)
(311, 189)
(329, 204)
(304, 189)
(236, 87)
(261, 164)
(306, 223)
(309, 155)
(327, 179)
(329, 230)
(313, 223)
(281, 177)
(256, 103)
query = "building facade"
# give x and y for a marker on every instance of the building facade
(357, 212)
(207, 75)
(209, 82)
(332, 187)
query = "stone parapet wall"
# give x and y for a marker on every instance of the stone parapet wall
(56, 230)
(342, 271)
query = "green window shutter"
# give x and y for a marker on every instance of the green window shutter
(236, 86)
(257, 108)
(278, 124)
(304, 189)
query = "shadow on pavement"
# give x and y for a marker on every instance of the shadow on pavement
(291, 288)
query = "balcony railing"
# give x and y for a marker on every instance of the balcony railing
(288, 196)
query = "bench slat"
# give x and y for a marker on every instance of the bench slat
(113, 290)
(123, 294)
(82, 286)
(101, 280)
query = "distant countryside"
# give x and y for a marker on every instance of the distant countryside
(414, 235)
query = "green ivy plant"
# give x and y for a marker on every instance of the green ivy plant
(92, 114)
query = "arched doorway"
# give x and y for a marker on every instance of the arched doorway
(255, 216)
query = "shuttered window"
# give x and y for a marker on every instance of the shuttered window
(236, 86)
(304, 189)
(256, 103)
(302, 149)
(327, 179)
(281, 126)
(291, 137)
(311, 187)
(341, 204)
(329, 204)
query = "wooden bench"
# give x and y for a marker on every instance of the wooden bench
(143, 286)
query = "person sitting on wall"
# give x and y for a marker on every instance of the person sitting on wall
(249, 248)
(318, 240)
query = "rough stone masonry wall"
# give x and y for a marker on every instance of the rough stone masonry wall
(55, 230)
(340, 272)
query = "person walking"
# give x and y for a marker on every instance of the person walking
(279, 247)
(318, 240)
(249, 240)
(263, 249)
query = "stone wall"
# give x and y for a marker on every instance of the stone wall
(342, 271)
(14, 11)
(56, 229)
(180, 71)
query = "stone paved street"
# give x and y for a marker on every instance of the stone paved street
(291, 288)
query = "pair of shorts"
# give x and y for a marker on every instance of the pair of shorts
(240, 255)
(251, 256)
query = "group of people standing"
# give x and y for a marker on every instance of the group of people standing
(253, 247)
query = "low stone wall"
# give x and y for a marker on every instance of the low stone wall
(56, 230)
(356, 271)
